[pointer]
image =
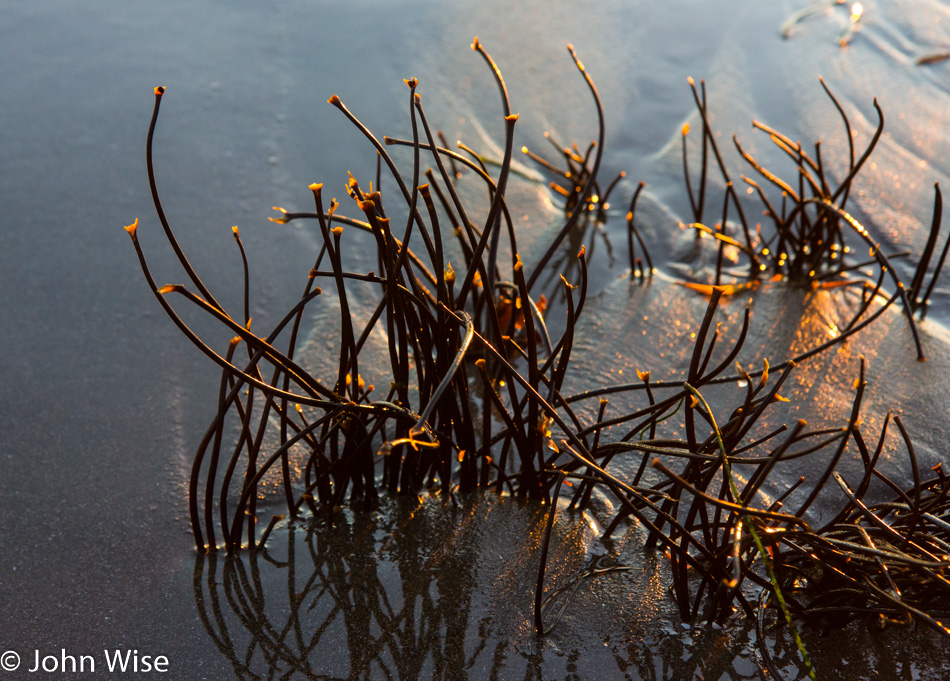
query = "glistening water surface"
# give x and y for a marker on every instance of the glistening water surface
(103, 402)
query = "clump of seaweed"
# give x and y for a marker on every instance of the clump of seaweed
(440, 416)
(733, 547)
(810, 236)
(475, 380)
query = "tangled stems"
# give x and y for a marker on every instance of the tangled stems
(750, 528)
(475, 397)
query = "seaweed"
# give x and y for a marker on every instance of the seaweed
(476, 383)
(424, 428)
(809, 236)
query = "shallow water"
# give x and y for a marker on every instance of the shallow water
(102, 401)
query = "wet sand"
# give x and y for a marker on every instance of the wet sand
(103, 402)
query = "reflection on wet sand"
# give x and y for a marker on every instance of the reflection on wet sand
(429, 590)
(393, 595)
(331, 607)
(432, 590)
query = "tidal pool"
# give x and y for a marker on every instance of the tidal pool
(103, 403)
